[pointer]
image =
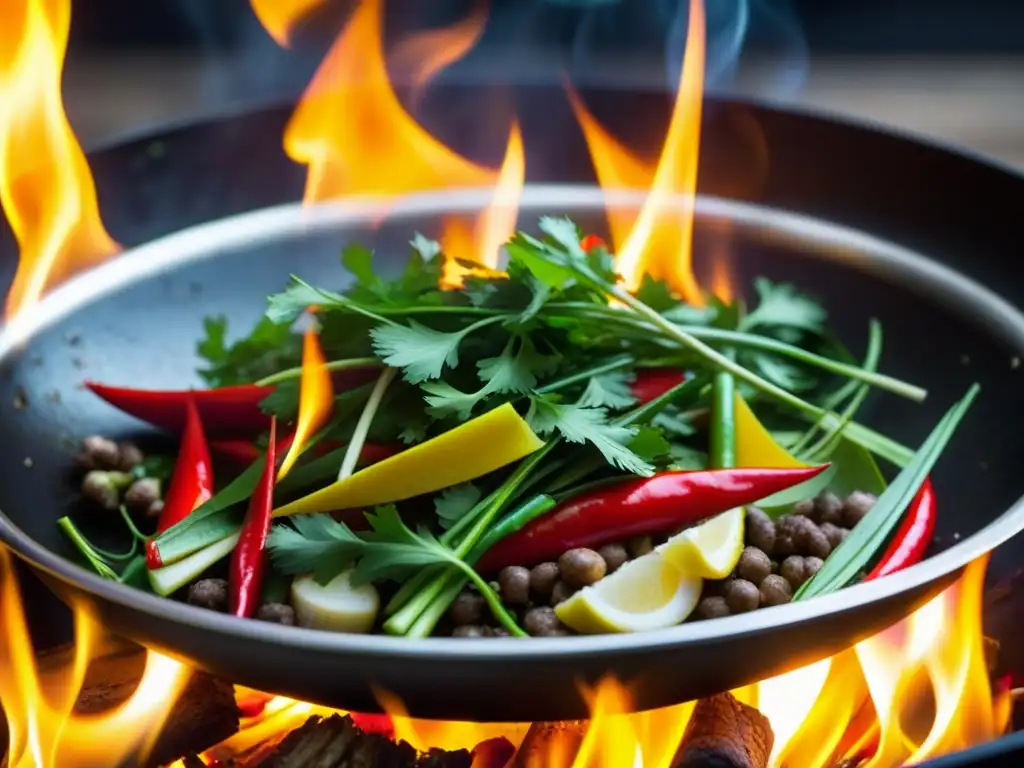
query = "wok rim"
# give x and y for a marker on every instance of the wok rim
(246, 230)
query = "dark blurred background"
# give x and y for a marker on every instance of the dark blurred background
(947, 68)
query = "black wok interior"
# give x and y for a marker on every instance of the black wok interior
(948, 206)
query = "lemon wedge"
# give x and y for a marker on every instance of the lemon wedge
(647, 593)
(710, 550)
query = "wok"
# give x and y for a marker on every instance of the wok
(844, 211)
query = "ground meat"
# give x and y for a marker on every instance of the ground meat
(775, 590)
(614, 555)
(543, 578)
(542, 622)
(277, 613)
(209, 593)
(754, 565)
(714, 607)
(741, 596)
(466, 609)
(582, 567)
(515, 585)
(760, 530)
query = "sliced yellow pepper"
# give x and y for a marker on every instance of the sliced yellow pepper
(755, 447)
(481, 445)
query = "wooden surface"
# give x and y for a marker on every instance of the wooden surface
(974, 102)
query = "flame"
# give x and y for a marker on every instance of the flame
(353, 133)
(46, 188)
(278, 17)
(316, 397)
(45, 731)
(659, 238)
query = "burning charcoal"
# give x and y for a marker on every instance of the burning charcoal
(209, 593)
(129, 456)
(561, 593)
(277, 613)
(582, 567)
(742, 596)
(142, 493)
(775, 590)
(467, 608)
(514, 582)
(614, 555)
(493, 753)
(856, 505)
(713, 607)
(760, 530)
(543, 578)
(99, 452)
(542, 622)
(754, 565)
(723, 733)
(546, 739)
(828, 509)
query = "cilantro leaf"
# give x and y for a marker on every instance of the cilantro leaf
(316, 543)
(792, 377)
(393, 551)
(670, 420)
(358, 259)
(452, 503)
(609, 390)
(685, 457)
(445, 400)
(428, 249)
(650, 444)
(420, 352)
(782, 305)
(588, 425)
(268, 348)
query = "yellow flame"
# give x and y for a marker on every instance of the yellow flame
(45, 731)
(278, 17)
(316, 398)
(46, 187)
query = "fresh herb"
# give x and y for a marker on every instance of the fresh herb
(452, 504)
(268, 348)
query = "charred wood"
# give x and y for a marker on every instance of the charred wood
(561, 738)
(725, 733)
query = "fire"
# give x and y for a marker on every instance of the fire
(316, 396)
(44, 730)
(278, 17)
(658, 240)
(46, 188)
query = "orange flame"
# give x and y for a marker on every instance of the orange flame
(46, 188)
(278, 16)
(316, 398)
(659, 238)
(45, 732)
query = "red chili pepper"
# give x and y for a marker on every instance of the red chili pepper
(590, 242)
(913, 536)
(226, 409)
(248, 561)
(658, 504)
(655, 382)
(245, 452)
(192, 480)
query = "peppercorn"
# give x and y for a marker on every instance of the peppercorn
(760, 530)
(498, 632)
(99, 452)
(466, 609)
(805, 508)
(741, 596)
(834, 534)
(470, 630)
(856, 505)
(129, 456)
(712, 608)
(561, 592)
(797, 527)
(104, 488)
(753, 565)
(811, 566)
(614, 555)
(638, 546)
(277, 613)
(514, 582)
(542, 622)
(828, 508)
(581, 567)
(794, 570)
(816, 543)
(155, 509)
(543, 578)
(775, 590)
(784, 546)
(209, 593)
(142, 493)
